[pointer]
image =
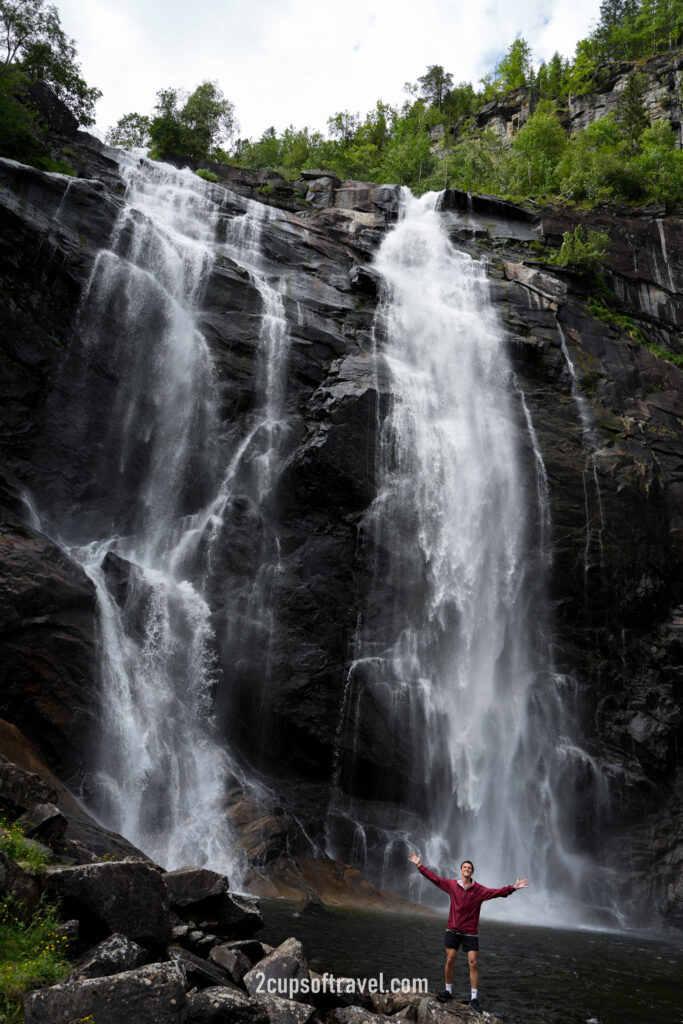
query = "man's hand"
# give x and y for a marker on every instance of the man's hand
(415, 859)
(521, 883)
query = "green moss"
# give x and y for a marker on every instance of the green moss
(601, 311)
(46, 163)
(207, 175)
(267, 189)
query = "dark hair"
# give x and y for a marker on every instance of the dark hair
(467, 862)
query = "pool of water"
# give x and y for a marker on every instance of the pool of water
(528, 975)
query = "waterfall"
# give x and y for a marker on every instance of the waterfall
(454, 644)
(161, 472)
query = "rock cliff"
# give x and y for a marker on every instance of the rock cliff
(616, 505)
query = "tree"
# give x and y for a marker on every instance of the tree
(630, 111)
(34, 42)
(435, 84)
(130, 131)
(198, 128)
(514, 70)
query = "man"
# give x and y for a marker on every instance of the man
(467, 897)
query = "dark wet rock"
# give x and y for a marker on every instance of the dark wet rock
(283, 969)
(430, 1011)
(233, 961)
(285, 1011)
(200, 973)
(151, 995)
(116, 896)
(20, 789)
(198, 888)
(112, 956)
(17, 885)
(314, 907)
(44, 822)
(353, 1015)
(216, 1005)
(252, 948)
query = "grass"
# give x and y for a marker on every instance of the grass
(15, 845)
(31, 955)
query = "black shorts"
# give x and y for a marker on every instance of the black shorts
(470, 943)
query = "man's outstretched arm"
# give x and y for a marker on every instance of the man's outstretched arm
(507, 890)
(442, 883)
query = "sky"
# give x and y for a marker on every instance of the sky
(298, 62)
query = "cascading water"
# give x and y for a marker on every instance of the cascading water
(453, 643)
(161, 475)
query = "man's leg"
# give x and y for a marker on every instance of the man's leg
(450, 965)
(447, 993)
(473, 961)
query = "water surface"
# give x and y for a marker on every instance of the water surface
(528, 975)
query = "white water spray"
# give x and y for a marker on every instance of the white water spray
(454, 646)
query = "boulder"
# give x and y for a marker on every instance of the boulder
(44, 822)
(232, 961)
(16, 884)
(353, 1015)
(20, 789)
(112, 956)
(430, 1011)
(280, 973)
(150, 995)
(116, 896)
(285, 1011)
(218, 1005)
(200, 973)
(201, 895)
(252, 948)
(314, 907)
(196, 888)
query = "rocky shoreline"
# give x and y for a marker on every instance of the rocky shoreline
(170, 947)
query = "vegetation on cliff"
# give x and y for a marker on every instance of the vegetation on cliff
(31, 948)
(35, 48)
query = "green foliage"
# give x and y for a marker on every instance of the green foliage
(630, 111)
(14, 844)
(20, 131)
(552, 78)
(197, 125)
(435, 85)
(130, 132)
(537, 150)
(31, 955)
(512, 72)
(207, 175)
(35, 43)
(582, 253)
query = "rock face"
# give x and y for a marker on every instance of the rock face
(618, 625)
(662, 99)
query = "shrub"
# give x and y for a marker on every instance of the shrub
(582, 253)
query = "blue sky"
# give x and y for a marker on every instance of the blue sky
(299, 61)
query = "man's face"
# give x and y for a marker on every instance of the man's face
(467, 871)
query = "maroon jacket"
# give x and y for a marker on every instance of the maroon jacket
(465, 903)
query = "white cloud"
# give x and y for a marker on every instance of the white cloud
(299, 61)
